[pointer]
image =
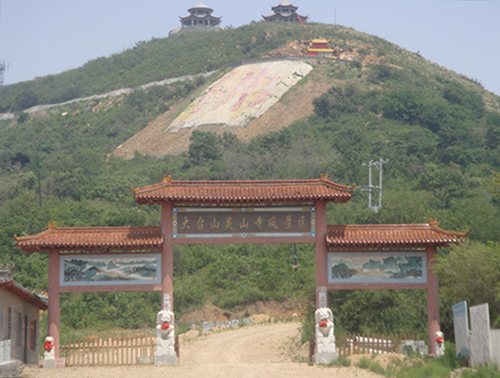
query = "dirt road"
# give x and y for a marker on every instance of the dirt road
(250, 351)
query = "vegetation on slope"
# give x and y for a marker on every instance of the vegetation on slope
(434, 126)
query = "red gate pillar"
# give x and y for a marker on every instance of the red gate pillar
(321, 256)
(167, 258)
(53, 307)
(432, 299)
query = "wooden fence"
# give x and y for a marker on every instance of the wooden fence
(377, 343)
(110, 351)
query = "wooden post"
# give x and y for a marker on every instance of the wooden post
(432, 299)
(321, 256)
(167, 257)
(54, 301)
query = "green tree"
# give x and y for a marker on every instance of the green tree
(471, 272)
(446, 184)
(204, 146)
(403, 105)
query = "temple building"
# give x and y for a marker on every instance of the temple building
(200, 16)
(285, 11)
(319, 47)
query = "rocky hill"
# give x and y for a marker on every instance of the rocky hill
(376, 100)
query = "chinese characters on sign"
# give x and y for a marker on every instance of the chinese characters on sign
(243, 222)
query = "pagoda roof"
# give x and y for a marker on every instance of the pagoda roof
(243, 191)
(92, 238)
(391, 235)
(200, 16)
(200, 6)
(285, 3)
(319, 40)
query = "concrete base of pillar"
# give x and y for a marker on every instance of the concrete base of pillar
(53, 363)
(166, 359)
(326, 352)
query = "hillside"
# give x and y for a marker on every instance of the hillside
(437, 129)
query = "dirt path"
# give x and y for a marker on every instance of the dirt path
(251, 351)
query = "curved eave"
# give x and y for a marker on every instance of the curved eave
(93, 239)
(387, 236)
(200, 17)
(320, 50)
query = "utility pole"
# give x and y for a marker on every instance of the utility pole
(371, 188)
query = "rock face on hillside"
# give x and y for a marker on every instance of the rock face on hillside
(244, 93)
(266, 101)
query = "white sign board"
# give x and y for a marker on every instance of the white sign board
(480, 342)
(461, 328)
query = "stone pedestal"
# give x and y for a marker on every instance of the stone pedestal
(326, 351)
(166, 359)
(49, 363)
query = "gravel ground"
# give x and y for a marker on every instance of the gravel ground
(250, 351)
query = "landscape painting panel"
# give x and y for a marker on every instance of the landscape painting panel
(377, 267)
(84, 270)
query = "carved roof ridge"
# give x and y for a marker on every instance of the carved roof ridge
(164, 182)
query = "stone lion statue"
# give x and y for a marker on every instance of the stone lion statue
(326, 351)
(324, 322)
(165, 333)
(439, 340)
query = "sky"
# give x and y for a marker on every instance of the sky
(43, 37)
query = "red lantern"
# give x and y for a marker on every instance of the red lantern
(322, 324)
(165, 326)
(48, 345)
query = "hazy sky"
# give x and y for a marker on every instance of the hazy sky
(41, 37)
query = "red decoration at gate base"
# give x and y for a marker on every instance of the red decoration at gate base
(48, 345)
(322, 324)
(165, 326)
(440, 340)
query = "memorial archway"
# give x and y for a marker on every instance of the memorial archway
(221, 212)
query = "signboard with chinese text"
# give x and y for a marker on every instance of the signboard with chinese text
(244, 222)
(461, 329)
(132, 269)
(377, 267)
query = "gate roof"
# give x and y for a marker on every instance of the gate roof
(93, 239)
(243, 191)
(391, 235)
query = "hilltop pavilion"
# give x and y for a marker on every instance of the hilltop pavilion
(285, 11)
(200, 16)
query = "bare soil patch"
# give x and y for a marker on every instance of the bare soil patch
(295, 105)
(257, 311)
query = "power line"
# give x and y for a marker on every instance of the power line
(372, 188)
